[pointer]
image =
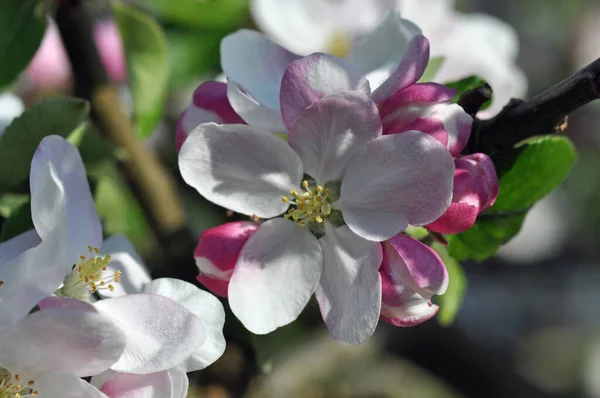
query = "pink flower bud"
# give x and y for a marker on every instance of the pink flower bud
(475, 190)
(210, 104)
(411, 273)
(218, 251)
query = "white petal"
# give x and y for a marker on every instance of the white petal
(396, 180)
(378, 52)
(83, 224)
(72, 340)
(134, 274)
(206, 307)
(240, 168)
(329, 133)
(256, 64)
(17, 245)
(64, 385)
(160, 333)
(349, 291)
(11, 106)
(276, 273)
(39, 271)
(179, 382)
(129, 385)
(254, 113)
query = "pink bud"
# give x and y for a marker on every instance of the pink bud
(210, 104)
(475, 190)
(411, 273)
(110, 47)
(217, 252)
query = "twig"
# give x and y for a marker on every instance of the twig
(543, 114)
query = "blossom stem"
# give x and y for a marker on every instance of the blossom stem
(542, 115)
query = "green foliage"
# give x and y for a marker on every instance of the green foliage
(59, 116)
(215, 15)
(22, 28)
(432, 68)
(18, 222)
(467, 83)
(450, 301)
(526, 175)
(147, 63)
(10, 202)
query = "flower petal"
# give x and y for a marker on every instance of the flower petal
(349, 291)
(72, 340)
(253, 112)
(40, 270)
(83, 223)
(65, 385)
(160, 333)
(123, 257)
(179, 382)
(409, 71)
(277, 272)
(329, 133)
(396, 180)
(240, 168)
(311, 78)
(129, 385)
(256, 64)
(377, 52)
(11, 106)
(13, 247)
(206, 307)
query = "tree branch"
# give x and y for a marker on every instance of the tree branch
(543, 114)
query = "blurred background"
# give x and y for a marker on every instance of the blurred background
(528, 325)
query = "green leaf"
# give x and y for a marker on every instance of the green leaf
(22, 27)
(147, 63)
(215, 15)
(526, 175)
(450, 301)
(10, 202)
(192, 55)
(93, 148)
(465, 84)
(58, 116)
(432, 68)
(18, 222)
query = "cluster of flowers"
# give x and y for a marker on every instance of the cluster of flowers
(72, 306)
(332, 158)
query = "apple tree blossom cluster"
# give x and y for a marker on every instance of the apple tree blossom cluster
(331, 158)
(73, 305)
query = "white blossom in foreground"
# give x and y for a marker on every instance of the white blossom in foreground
(343, 188)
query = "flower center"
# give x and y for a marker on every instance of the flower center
(88, 276)
(11, 386)
(339, 44)
(309, 206)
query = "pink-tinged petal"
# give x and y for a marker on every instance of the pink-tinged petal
(277, 272)
(39, 271)
(240, 168)
(206, 307)
(212, 96)
(160, 333)
(349, 292)
(128, 385)
(378, 51)
(73, 339)
(411, 274)
(217, 252)
(396, 180)
(428, 125)
(311, 78)
(328, 134)
(124, 258)
(409, 70)
(110, 46)
(253, 112)
(82, 221)
(256, 64)
(475, 190)
(65, 385)
(419, 93)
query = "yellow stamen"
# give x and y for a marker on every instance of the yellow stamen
(311, 205)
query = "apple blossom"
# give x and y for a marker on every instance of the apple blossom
(172, 383)
(47, 352)
(470, 44)
(11, 106)
(217, 252)
(342, 186)
(411, 273)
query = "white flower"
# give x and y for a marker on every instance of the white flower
(11, 106)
